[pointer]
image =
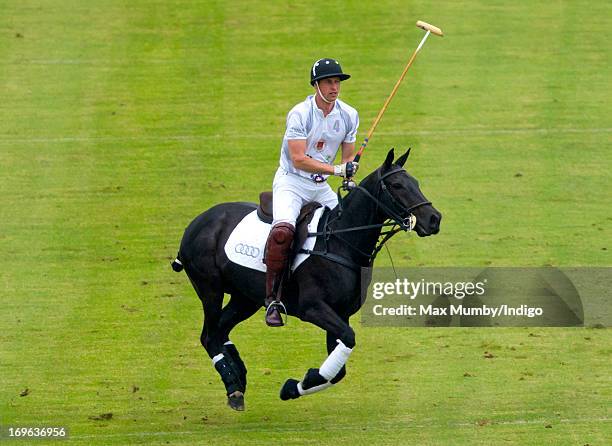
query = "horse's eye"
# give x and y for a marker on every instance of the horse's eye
(397, 186)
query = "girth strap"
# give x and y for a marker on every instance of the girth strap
(333, 257)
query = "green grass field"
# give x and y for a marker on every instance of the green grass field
(121, 121)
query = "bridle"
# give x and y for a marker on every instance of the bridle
(394, 212)
(399, 218)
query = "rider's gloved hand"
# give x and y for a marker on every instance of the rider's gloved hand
(346, 170)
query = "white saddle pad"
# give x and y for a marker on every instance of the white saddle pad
(245, 245)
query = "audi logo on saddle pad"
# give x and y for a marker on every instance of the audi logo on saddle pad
(247, 250)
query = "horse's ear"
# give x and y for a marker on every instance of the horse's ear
(389, 159)
(402, 159)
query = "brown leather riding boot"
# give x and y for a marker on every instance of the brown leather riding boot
(278, 249)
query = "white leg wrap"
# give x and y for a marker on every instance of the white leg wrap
(313, 389)
(228, 343)
(335, 361)
(217, 358)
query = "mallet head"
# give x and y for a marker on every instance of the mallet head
(427, 27)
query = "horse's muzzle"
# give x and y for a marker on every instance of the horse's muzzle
(428, 222)
(434, 222)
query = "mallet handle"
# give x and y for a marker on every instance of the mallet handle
(384, 107)
(386, 104)
(430, 29)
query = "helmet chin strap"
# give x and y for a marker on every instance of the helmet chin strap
(323, 97)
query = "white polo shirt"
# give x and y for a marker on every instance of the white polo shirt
(323, 134)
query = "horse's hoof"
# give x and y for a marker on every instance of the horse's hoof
(236, 401)
(289, 390)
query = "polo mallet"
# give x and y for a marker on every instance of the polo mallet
(430, 29)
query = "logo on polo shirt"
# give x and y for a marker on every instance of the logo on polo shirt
(320, 145)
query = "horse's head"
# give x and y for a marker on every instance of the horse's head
(401, 198)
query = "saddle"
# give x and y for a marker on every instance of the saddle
(264, 212)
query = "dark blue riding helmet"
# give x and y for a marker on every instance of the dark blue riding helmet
(324, 68)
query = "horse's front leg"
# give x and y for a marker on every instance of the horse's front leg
(340, 344)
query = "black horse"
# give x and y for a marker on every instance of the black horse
(325, 290)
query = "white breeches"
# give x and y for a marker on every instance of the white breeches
(291, 192)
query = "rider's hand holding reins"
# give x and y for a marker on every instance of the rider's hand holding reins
(346, 170)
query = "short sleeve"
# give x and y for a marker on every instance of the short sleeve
(351, 134)
(295, 127)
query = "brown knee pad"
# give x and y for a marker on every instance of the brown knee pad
(278, 246)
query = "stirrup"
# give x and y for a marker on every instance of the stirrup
(278, 305)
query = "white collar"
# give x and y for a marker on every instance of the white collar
(313, 102)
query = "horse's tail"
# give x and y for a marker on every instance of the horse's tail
(177, 265)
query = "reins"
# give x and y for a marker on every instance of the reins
(394, 220)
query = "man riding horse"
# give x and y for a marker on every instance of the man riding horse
(328, 286)
(316, 129)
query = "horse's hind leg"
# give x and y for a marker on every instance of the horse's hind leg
(212, 338)
(237, 310)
